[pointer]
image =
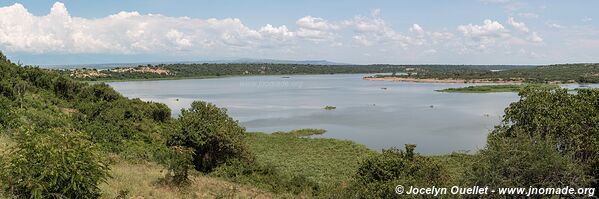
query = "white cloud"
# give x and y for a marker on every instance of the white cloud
(494, 34)
(521, 26)
(314, 23)
(489, 29)
(534, 37)
(586, 19)
(132, 32)
(554, 25)
(315, 29)
(280, 33)
(135, 33)
(373, 29)
(416, 28)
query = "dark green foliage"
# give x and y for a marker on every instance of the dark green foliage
(378, 175)
(5, 113)
(214, 136)
(58, 163)
(41, 98)
(549, 137)
(519, 162)
(65, 88)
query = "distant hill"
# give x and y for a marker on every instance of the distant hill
(232, 61)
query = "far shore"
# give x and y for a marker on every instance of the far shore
(430, 80)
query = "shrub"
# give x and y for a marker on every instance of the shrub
(520, 162)
(211, 133)
(58, 163)
(378, 175)
(551, 127)
(179, 163)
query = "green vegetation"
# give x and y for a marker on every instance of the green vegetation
(319, 159)
(213, 136)
(559, 73)
(186, 71)
(495, 88)
(378, 175)
(64, 138)
(38, 164)
(329, 108)
(548, 138)
(301, 132)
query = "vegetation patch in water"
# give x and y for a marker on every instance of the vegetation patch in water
(301, 132)
(495, 88)
(329, 108)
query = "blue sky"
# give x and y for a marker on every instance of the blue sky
(363, 32)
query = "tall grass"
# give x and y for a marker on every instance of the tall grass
(143, 180)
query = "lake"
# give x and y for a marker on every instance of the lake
(378, 114)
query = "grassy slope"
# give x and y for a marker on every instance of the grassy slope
(323, 160)
(141, 181)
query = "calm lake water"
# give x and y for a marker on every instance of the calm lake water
(366, 112)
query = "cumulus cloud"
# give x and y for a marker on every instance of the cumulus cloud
(521, 26)
(374, 30)
(134, 33)
(124, 32)
(315, 29)
(493, 33)
(489, 29)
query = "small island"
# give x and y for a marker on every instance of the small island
(301, 132)
(329, 108)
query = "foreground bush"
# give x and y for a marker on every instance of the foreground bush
(548, 138)
(211, 133)
(53, 164)
(520, 162)
(378, 175)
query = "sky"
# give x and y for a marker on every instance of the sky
(42, 32)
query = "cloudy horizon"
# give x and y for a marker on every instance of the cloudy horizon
(499, 32)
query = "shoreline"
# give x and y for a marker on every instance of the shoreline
(430, 80)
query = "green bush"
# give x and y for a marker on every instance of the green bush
(55, 164)
(520, 162)
(378, 175)
(548, 124)
(5, 107)
(214, 136)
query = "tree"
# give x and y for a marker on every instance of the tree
(214, 136)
